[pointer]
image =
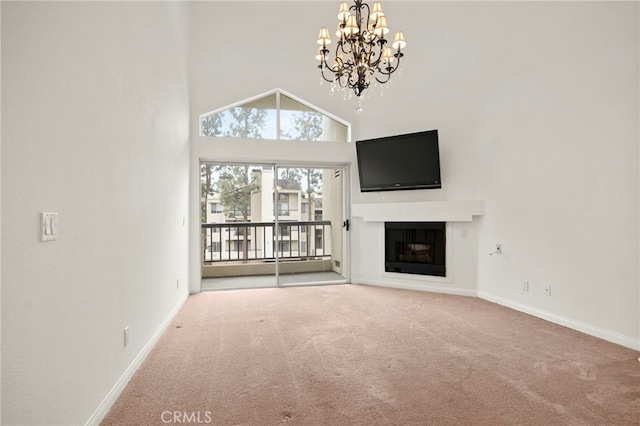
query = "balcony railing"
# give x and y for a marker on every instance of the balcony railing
(259, 241)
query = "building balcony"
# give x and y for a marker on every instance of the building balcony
(252, 248)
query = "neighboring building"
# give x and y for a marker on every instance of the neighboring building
(295, 238)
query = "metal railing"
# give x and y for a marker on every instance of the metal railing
(261, 241)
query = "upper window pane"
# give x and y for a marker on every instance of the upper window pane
(252, 120)
(260, 118)
(299, 122)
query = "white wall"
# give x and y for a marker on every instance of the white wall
(536, 104)
(537, 108)
(529, 98)
(94, 127)
(260, 57)
(0, 227)
(559, 151)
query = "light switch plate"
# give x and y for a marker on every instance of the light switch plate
(49, 226)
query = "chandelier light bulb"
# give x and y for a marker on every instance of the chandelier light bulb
(387, 55)
(323, 37)
(344, 13)
(376, 12)
(381, 28)
(351, 28)
(398, 41)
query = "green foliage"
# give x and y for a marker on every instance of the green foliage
(206, 188)
(247, 123)
(290, 174)
(309, 179)
(307, 126)
(212, 125)
(235, 186)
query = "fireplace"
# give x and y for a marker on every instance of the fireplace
(415, 248)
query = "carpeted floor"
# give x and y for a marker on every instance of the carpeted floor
(360, 355)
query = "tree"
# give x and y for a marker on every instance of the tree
(235, 186)
(307, 126)
(206, 188)
(291, 175)
(212, 125)
(247, 122)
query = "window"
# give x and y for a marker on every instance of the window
(283, 247)
(238, 212)
(216, 208)
(285, 231)
(283, 209)
(283, 204)
(318, 239)
(238, 231)
(215, 247)
(238, 246)
(303, 247)
(274, 115)
(304, 208)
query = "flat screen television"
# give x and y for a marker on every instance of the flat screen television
(402, 162)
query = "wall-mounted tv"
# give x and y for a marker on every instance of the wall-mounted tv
(410, 161)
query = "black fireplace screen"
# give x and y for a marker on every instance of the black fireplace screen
(415, 248)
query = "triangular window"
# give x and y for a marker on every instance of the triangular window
(275, 115)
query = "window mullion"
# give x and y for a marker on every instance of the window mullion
(278, 115)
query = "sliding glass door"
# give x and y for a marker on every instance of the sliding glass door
(237, 226)
(270, 225)
(310, 225)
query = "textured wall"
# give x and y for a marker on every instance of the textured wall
(537, 108)
(94, 127)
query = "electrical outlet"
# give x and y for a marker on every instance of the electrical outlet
(547, 290)
(525, 285)
(126, 336)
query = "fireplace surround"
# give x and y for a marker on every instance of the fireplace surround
(415, 248)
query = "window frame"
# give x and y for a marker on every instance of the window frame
(278, 93)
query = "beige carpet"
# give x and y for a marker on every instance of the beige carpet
(359, 355)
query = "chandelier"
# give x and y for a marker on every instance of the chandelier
(361, 55)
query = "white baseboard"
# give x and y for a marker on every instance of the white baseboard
(421, 286)
(120, 385)
(591, 330)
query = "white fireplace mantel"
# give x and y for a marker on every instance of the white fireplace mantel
(423, 211)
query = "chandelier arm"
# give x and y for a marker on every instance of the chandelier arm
(387, 71)
(383, 81)
(374, 58)
(391, 69)
(324, 65)
(323, 76)
(342, 45)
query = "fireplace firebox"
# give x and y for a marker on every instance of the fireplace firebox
(415, 248)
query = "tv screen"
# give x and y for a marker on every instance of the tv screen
(401, 162)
